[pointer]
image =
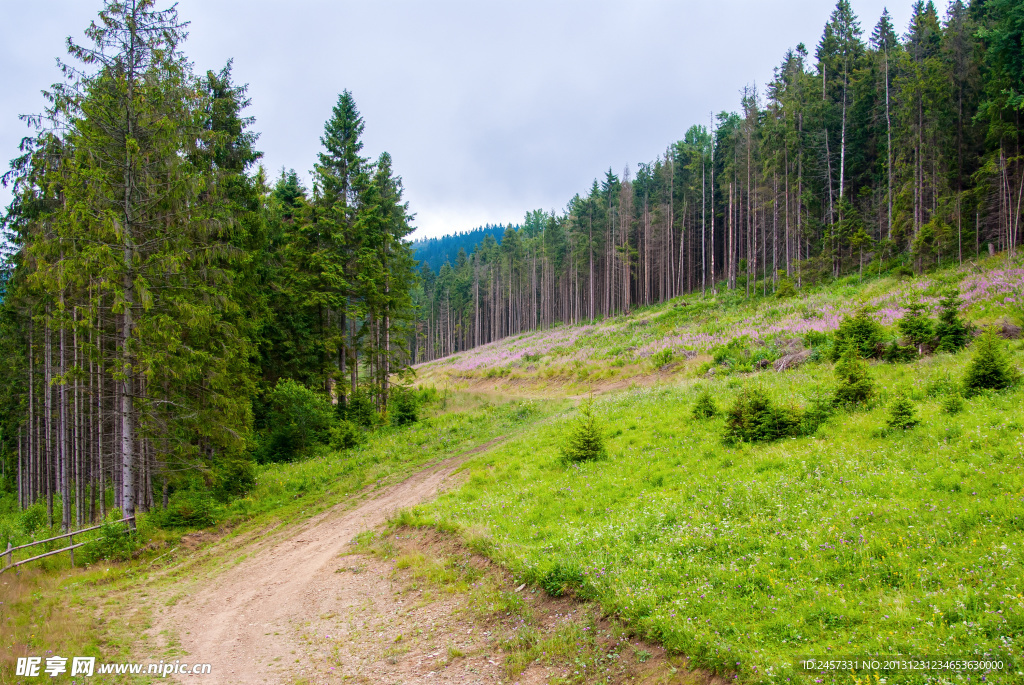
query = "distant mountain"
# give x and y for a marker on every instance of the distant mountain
(437, 251)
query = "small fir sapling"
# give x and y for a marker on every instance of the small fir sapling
(705, 407)
(853, 383)
(952, 404)
(586, 439)
(952, 331)
(989, 369)
(755, 418)
(861, 331)
(901, 413)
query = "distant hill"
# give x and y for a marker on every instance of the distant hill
(437, 251)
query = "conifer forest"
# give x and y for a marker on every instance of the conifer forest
(160, 286)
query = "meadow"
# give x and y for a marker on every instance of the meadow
(656, 336)
(857, 540)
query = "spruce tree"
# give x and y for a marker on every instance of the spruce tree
(989, 369)
(586, 440)
(952, 331)
(853, 383)
(901, 413)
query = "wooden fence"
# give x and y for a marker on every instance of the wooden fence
(9, 553)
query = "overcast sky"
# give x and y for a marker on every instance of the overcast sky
(489, 109)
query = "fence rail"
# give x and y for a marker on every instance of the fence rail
(9, 552)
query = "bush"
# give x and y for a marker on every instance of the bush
(116, 541)
(862, 332)
(915, 327)
(952, 404)
(901, 413)
(786, 289)
(190, 508)
(814, 339)
(952, 331)
(234, 477)
(360, 409)
(755, 418)
(297, 419)
(662, 357)
(899, 354)
(403, 406)
(586, 441)
(705, 407)
(853, 384)
(345, 435)
(903, 271)
(989, 368)
(821, 408)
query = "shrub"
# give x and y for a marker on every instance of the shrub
(360, 409)
(116, 541)
(952, 404)
(191, 508)
(755, 418)
(862, 332)
(853, 384)
(915, 327)
(814, 339)
(989, 368)
(821, 408)
(345, 435)
(903, 271)
(901, 413)
(585, 441)
(403, 406)
(297, 419)
(786, 289)
(705, 407)
(952, 331)
(662, 357)
(899, 354)
(233, 477)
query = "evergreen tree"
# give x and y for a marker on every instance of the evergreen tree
(989, 369)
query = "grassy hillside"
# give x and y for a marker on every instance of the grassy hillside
(662, 337)
(850, 539)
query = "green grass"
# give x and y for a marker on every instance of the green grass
(858, 540)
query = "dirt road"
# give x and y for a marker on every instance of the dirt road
(292, 612)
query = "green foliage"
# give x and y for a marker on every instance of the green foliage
(755, 418)
(585, 441)
(901, 413)
(785, 289)
(989, 368)
(234, 477)
(662, 357)
(403, 406)
(360, 409)
(297, 419)
(345, 435)
(115, 542)
(704, 407)
(915, 326)
(952, 404)
(192, 507)
(952, 331)
(853, 382)
(895, 353)
(813, 339)
(861, 332)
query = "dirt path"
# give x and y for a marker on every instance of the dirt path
(254, 621)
